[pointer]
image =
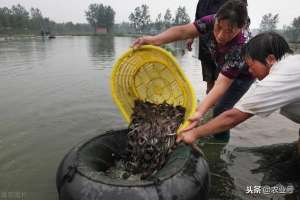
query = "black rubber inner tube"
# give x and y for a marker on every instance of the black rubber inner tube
(98, 154)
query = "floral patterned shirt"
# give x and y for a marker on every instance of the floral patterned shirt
(228, 57)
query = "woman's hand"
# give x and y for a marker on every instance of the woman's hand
(194, 120)
(189, 43)
(143, 41)
(188, 137)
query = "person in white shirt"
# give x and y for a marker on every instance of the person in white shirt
(270, 60)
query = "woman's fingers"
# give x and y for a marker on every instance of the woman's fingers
(138, 42)
(143, 41)
(195, 117)
(190, 126)
(189, 44)
(179, 138)
(189, 47)
(187, 137)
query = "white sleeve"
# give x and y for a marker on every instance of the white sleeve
(265, 97)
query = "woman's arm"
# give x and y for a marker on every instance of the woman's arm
(221, 86)
(172, 34)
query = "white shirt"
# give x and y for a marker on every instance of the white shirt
(279, 90)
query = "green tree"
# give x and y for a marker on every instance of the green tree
(110, 18)
(140, 18)
(36, 22)
(5, 18)
(49, 26)
(269, 22)
(145, 17)
(293, 32)
(20, 17)
(296, 22)
(296, 28)
(135, 18)
(36, 13)
(168, 18)
(159, 22)
(69, 27)
(181, 17)
(99, 15)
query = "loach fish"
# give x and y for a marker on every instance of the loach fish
(151, 136)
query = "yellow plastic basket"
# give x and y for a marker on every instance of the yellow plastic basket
(152, 74)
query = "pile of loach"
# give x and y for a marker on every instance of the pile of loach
(151, 136)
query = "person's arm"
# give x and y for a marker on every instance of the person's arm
(224, 121)
(172, 34)
(221, 86)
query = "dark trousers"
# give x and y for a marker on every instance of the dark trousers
(237, 89)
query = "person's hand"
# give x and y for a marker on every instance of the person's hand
(194, 120)
(189, 43)
(188, 137)
(142, 41)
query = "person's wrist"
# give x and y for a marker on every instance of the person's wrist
(155, 41)
(199, 113)
(146, 40)
(195, 134)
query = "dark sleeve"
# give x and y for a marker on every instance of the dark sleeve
(205, 24)
(234, 63)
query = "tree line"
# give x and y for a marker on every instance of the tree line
(291, 32)
(18, 20)
(140, 21)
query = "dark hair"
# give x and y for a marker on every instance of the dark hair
(264, 44)
(235, 11)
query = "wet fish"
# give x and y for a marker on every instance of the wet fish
(151, 136)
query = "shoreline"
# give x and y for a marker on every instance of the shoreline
(5, 37)
(10, 37)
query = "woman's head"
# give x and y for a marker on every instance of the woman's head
(262, 51)
(231, 18)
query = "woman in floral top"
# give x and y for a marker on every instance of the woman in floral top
(226, 38)
(209, 75)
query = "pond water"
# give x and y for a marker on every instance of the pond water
(55, 93)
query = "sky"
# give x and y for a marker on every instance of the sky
(74, 10)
